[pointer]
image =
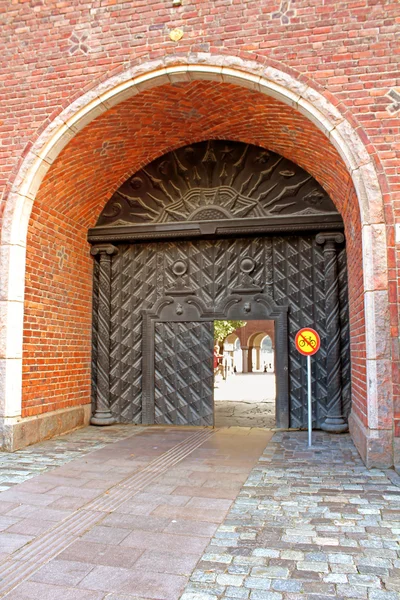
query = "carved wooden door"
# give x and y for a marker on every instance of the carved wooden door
(183, 373)
(209, 220)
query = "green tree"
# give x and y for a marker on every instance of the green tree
(223, 328)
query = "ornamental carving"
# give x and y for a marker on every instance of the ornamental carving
(213, 181)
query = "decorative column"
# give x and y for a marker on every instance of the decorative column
(334, 422)
(245, 359)
(250, 359)
(102, 414)
(258, 358)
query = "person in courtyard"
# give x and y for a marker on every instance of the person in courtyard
(217, 360)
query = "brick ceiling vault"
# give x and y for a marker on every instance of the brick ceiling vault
(146, 126)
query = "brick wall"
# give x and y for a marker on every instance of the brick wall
(52, 53)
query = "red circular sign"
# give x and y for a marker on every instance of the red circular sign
(307, 341)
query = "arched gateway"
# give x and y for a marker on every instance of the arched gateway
(217, 229)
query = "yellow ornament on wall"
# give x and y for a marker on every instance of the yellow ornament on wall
(176, 34)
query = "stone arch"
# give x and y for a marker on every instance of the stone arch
(234, 339)
(254, 340)
(231, 338)
(270, 81)
(259, 340)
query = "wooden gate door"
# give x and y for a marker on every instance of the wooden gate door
(216, 230)
(183, 373)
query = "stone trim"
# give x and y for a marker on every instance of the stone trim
(17, 433)
(374, 445)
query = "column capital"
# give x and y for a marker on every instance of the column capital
(335, 237)
(107, 249)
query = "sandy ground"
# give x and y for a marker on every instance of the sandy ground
(245, 399)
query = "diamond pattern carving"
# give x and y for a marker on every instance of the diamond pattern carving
(184, 376)
(133, 288)
(204, 183)
(292, 266)
(298, 278)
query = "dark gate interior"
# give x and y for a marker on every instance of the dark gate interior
(271, 238)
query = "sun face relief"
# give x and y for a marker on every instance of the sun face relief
(216, 180)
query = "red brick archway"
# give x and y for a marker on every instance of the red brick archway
(56, 368)
(103, 154)
(250, 337)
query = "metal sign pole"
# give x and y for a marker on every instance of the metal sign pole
(309, 402)
(308, 343)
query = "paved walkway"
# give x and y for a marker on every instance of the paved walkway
(245, 400)
(22, 465)
(200, 514)
(130, 520)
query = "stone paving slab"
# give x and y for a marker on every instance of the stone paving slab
(246, 400)
(24, 464)
(309, 524)
(98, 526)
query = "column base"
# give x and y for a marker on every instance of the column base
(335, 425)
(102, 418)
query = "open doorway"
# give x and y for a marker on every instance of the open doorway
(244, 373)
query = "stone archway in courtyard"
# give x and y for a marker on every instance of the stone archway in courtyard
(70, 156)
(251, 337)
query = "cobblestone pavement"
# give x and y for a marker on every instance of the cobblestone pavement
(308, 524)
(19, 466)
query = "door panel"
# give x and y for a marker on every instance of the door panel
(183, 372)
(291, 270)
